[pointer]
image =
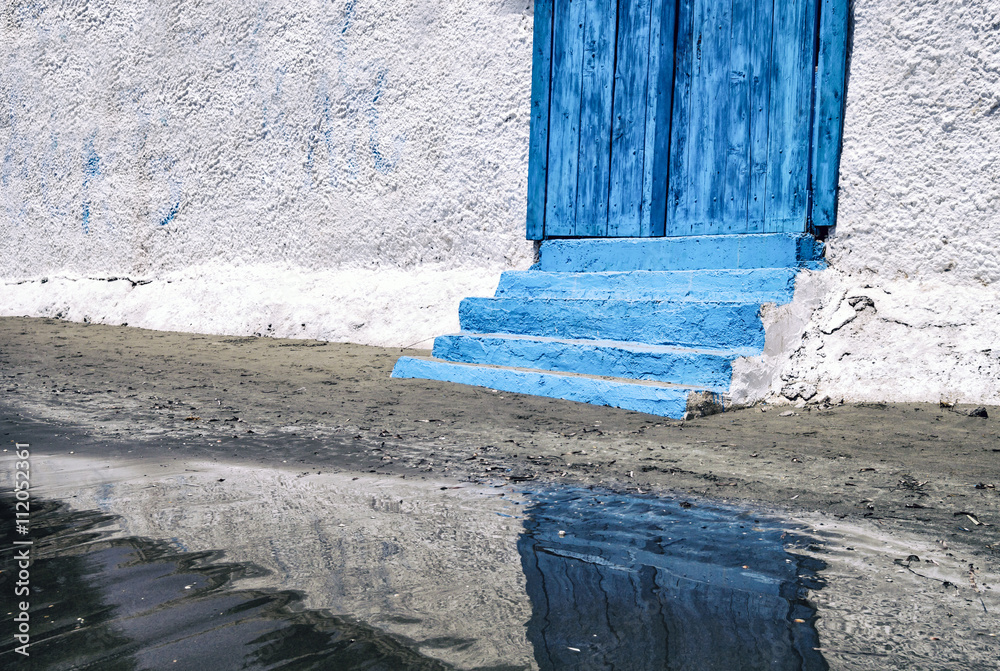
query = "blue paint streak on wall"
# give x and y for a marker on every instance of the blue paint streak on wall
(91, 169)
(382, 164)
(170, 215)
(279, 117)
(48, 171)
(29, 11)
(91, 161)
(350, 93)
(86, 217)
(341, 53)
(164, 168)
(8, 160)
(348, 15)
(7, 168)
(323, 132)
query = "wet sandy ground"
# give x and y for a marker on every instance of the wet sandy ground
(882, 483)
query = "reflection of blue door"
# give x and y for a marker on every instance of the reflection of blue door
(684, 117)
(622, 582)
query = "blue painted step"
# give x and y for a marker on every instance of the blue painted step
(709, 369)
(760, 285)
(646, 324)
(657, 399)
(704, 252)
(701, 324)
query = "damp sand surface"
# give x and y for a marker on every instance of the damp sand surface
(879, 484)
(241, 565)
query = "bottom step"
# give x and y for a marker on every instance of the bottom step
(664, 400)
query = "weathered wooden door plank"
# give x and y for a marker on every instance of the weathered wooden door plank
(538, 147)
(658, 105)
(629, 118)
(678, 210)
(701, 132)
(564, 133)
(595, 118)
(789, 128)
(741, 45)
(718, 31)
(760, 108)
(831, 73)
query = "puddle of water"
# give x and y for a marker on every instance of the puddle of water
(900, 601)
(621, 582)
(129, 603)
(436, 568)
(256, 568)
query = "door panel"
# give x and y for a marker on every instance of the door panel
(564, 117)
(606, 56)
(740, 137)
(675, 117)
(595, 118)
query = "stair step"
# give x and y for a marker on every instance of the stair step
(699, 324)
(709, 369)
(664, 400)
(760, 285)
(772, 250)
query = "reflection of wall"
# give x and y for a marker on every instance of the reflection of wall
(644, 584)
(124, 604)
(437, 567)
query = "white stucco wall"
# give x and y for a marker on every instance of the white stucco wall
(350, 169)
(264, 147)
(920, 173)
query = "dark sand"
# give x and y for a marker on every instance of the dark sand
(914, 470)
(914, 465)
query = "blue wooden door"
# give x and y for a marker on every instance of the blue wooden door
(739, 158)
(611, 69)
(683, 117)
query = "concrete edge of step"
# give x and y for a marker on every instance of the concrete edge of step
(655, 398)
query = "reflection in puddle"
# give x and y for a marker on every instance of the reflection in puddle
(128, 603)
(622, 582)
(255, 568)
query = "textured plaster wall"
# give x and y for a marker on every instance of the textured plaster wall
(336, 137)
(920, 173)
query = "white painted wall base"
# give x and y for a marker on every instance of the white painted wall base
(388, 308)
(861, 339)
